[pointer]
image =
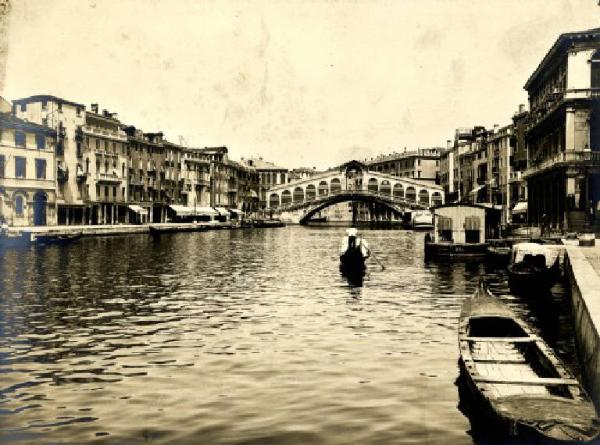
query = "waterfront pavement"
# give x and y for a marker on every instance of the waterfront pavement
(583, 271)
(104, 229)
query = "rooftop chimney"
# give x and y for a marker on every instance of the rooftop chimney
(95, 108)
(521, 108)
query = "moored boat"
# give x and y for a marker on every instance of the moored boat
(517, 378)
(265, 223)
(533, 266)
(460, 232)
(158, 229)
(422, 220)
(55, 238)
(498, 251)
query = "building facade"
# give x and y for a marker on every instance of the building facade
(27, 173)
(423, 163)
(269, 175)
(563, 134)
(65, 118)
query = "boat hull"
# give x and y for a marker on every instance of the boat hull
(446, 251)
(515, 378)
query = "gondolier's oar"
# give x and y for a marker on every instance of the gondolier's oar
(377, 259)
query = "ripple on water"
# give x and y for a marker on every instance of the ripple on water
(231, 337)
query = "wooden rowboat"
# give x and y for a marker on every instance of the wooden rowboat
(517, 378)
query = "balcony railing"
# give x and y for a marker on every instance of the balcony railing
(586, 158)
(108, 177)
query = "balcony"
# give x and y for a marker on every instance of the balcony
(553, 101)
(565, 159)
(108, 178)
(62, 173)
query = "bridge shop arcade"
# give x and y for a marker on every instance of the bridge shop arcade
(373, 196)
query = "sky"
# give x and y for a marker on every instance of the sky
(300, 83)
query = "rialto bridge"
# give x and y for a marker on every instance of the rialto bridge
(354, 182)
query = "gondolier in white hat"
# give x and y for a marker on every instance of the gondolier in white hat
(353, 241)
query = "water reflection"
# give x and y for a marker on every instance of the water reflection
(248, 336)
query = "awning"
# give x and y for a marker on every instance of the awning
(138, 209)
(222, 211)
(206, 211)
(182, 210)
(253, 194)
(520, 207)
(236, 212)
(476, 189)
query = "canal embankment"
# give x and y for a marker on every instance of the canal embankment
(118, 229)
(583, 273)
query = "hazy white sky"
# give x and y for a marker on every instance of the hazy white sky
(301, 83)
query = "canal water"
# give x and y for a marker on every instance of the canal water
(238, 337)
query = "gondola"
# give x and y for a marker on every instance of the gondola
(268, 223)
(353, 254)
(55, 238)
(528, 269)
(517, 379)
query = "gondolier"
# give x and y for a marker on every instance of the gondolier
(354, 242)
(353, 253)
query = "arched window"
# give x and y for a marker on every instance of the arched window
(19, 204)
(323, 188)
(336, 185)
(87, 165)
(398, 191)
(311, 192)
(411, 195)
(274, 200)
(424, 197)
(286, 197)
(436, 198)
(386, 188)
(372, 185)
(298, 194)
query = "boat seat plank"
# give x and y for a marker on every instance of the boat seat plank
(518, 360)
(503, 339)
(525, 380)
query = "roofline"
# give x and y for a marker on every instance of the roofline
(47, 97)
(554, 49)
(463, 204)
(21, 124)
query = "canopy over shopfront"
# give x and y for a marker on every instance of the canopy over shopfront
(138, 209)
(520, 207)
(183, 211)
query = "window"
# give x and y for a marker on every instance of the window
(19, 167)
(40, 169)
(114, 191)
(60, 107)
(23, 107)
(97, 145)
(97, 191)
(78, 110)
(40, 141)
(2, 162)
(106, 191)
(44, 105)
(45, 121)
(79, 153)
(19, 205)
(114, 147)
(19, 139)
(595, 82)
(87, 165)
